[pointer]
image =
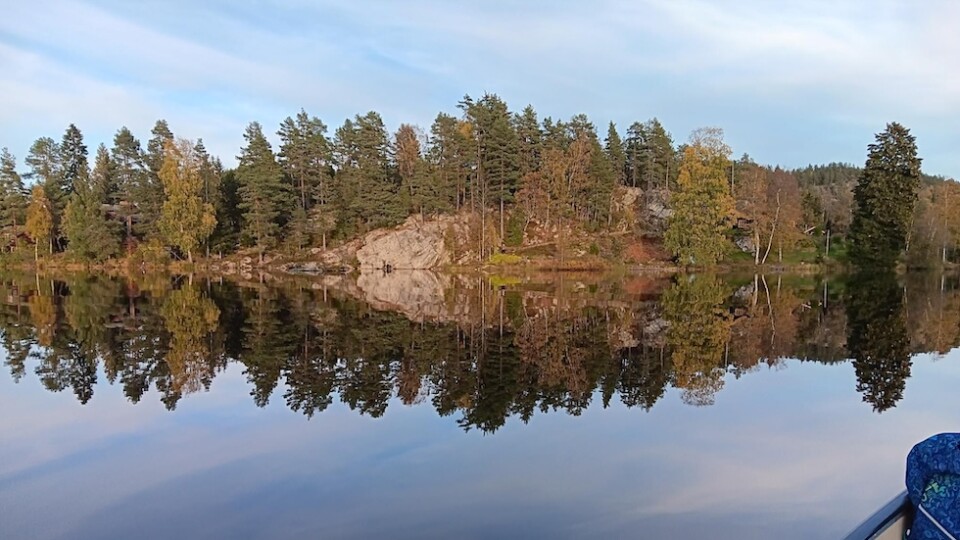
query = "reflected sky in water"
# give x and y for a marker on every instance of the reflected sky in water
(784, 451)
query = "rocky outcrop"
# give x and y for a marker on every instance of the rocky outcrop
(416, 244)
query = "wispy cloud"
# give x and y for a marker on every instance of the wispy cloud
(791, 84)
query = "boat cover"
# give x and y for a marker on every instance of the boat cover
(933, 483)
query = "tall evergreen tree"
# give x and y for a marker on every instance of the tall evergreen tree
(75, 172)
(449, 156)
(73, 158)
(613, 147)
(660, 170)
(885, 197)
(635, 154)
(13, 197)
(148, 196)
(103, 178)
(45, 167)
(211, 177)
(264, 197)
(497, 147)
(530, 140)
(131, 179)
(305, 158)
(90, 232)
(366, 190)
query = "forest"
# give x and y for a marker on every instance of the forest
(520, 181)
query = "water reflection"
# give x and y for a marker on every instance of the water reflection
(482, 349)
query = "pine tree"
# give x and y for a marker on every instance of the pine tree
(148, 194)
(185, 220)
(305, 158)
(13, 197)
(366, 187)
(131, 177)
(702, 205)
(45, 167)
(211, 176)
(40, 220)
(635, 154)
(449, 157)
(530, 138)
(497, 153)
(658, 146)
(613, 147)
(264, 197)
(885, 197)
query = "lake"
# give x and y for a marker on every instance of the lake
(419, 405)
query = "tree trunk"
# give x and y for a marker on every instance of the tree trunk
(756, 245)
(773, 230)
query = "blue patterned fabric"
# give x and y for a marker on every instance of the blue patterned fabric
(933, 483)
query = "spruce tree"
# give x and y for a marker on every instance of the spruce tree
(13, 196)
(88, 229)
(885, 197)
(264, 197)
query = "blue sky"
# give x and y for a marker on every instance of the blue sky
(790, 84)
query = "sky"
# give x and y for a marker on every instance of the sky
(791, 83)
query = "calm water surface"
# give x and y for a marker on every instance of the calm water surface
(426, 406)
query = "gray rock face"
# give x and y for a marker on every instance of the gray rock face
(413, 246)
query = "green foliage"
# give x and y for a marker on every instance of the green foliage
(885, 198)
(185, 220)
(40, 219)
(702, 204)
(264, 197)
(13, 196)
(90, 234)
(367, 192)
(305, 157)
(148, 194)
(515, 225)
(878, 339)
(505, 259)
(699, 329)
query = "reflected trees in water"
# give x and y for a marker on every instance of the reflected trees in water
(495, 352)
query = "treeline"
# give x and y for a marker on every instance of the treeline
(526, 352)
(511, 171)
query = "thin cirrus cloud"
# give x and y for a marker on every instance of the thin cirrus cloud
(791, 84)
